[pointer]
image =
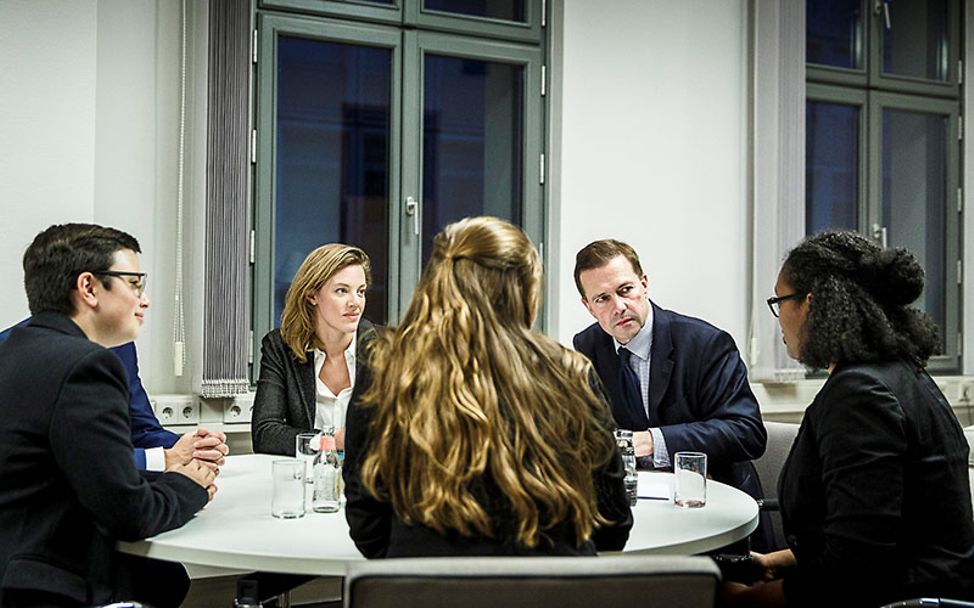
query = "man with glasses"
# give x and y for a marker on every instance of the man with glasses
(677, 382)
(155, 448)
(68, 487)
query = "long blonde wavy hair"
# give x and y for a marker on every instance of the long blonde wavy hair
(298, 317)
(465, 388)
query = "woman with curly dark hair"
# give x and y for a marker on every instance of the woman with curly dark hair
(875, 497)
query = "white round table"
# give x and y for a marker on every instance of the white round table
(237, 530)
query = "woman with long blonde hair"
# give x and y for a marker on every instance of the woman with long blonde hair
(308, 366)
(473, 433)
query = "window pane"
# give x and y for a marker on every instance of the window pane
(834, 36)
(915, 197)
(473, 132)
(831, 166)
(332, 181)
(507, 10)
(916, 44)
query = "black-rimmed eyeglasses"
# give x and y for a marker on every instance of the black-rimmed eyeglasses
(775, 303)
(138, 285)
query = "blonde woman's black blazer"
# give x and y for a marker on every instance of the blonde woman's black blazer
(285, 402)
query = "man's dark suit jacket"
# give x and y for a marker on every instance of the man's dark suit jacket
(285, 402)
(875, 497)
(146, 430)
(699, 396)
(68, 487)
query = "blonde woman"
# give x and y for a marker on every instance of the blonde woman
(474, 434)
(308, 366)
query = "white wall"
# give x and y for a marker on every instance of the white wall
(653, 137)
(48, 58)
(89, 126)
(135, 154)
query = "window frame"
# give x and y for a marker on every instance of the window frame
(874, 91)
(358, 26)
(420, 43)
(270, 27)
(949, 361)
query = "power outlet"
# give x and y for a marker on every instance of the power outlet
(176, 409)
(239, 409)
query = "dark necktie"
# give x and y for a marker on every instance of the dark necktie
(632, 394)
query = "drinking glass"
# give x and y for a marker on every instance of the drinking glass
(287, 501)
(690, 488)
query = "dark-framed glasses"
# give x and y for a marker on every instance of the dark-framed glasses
(136, 281)
(775, 303)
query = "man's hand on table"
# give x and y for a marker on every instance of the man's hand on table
(642, 443)
(199, 473)
(207, 448)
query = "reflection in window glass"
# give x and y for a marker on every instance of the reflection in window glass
(332, 181)
(916, 44)
(834, 33)
(506, 10)
(915, 196)
(831, 166)
(473, 133)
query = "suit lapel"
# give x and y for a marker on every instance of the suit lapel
(305, 374)
(661, 362)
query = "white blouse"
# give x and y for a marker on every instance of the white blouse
(330, 408)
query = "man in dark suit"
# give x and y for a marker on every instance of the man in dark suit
(683, 385)
(155, 447)
(68, 486)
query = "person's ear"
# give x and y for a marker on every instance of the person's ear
(86, 285)
(644, 280)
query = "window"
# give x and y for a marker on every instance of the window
(882, 137)
(380, 122)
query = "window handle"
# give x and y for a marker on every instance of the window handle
(412, 209)
(879, 235)
(883, 6)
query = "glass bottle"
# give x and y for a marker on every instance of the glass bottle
(624, 441)
(327, 475)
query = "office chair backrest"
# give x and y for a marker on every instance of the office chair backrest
(780, 437)
(535, 582)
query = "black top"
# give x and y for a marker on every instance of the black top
(875, 496)
(284, 405)
(377, 531)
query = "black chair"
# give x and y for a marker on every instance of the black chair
(532, 582)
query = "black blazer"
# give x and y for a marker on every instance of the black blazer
(875, 497)
(699, 396)
(285, 402)
(377, 531)
(69, 488)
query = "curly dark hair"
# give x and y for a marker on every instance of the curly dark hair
(860, 307)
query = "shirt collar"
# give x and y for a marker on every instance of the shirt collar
(642, 343)
(349, 355)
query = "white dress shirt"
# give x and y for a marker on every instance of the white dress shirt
(330, 409)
